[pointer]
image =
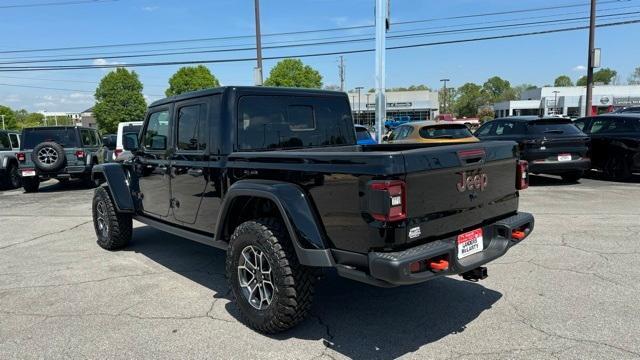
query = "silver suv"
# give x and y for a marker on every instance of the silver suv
(9, 146)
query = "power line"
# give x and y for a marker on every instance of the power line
(335, 42)
(333, 53)
(303, 31)
(59, 89)
(67, 81)
(47, 4)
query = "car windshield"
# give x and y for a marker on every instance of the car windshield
(362, 134)
(445, 132)
(63, 136)
(564, 127)
(130, 131)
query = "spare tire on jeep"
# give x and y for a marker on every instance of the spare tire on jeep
(48, 156)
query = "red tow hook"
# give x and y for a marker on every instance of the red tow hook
(518, 235)
(438, 265)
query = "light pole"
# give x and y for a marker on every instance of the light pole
(555, 101)
(258, 71)
(366, 106)
(444, 94)
(359, 105)
(592, 35)
(382, 26)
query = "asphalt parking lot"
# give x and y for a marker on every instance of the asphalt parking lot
(569, 292)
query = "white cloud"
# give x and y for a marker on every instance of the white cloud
(150, 8)
(104, 62)
(81, 96)
(579, 68)
(12, 98)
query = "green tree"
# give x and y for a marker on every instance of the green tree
(563, 81)
(519, 89)
(498, 89)
(294, 73)
(469, 97)
(446, 99)
(634, 78)
(485, 114)
(604, 76)
(26, 119)
(9, 118)
(119, 98)
(191, 78)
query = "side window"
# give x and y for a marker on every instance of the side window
(192, 131)
(5, 144)
(506, 128)
(600, 126)
(157, 131)
(85, 135)
(15, 142)
(485, 129)
(581, 124)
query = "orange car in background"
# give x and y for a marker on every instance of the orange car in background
(430, 132)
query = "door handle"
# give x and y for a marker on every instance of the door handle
(194, 172)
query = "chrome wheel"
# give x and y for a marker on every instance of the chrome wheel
(254, 274)
(101, 218)
(47, 155)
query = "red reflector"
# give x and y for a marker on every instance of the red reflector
(21, 156)
(415, 267)
(463, 154)
(80, 154)
(117, 152)
(522, 175)
(518, 235)
(439, 265)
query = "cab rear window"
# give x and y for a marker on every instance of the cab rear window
(5, 144)
(63, 136)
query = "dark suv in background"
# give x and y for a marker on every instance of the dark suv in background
(615, 143)
(58, 152)
(551, 145)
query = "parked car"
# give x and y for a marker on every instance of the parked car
(57, 152)
(551, 145)
(280, 183)
(471, 123)
(9, 145)
(430, 132)
(127, 132)
(615, 143)
(363, 136)
(630, 109)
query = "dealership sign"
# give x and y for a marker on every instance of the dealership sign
(393, 105)
(626, 101)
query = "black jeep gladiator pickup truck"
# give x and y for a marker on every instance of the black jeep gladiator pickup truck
(274, 176)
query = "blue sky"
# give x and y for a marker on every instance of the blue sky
(537, 60)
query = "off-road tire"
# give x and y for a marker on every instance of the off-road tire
(572, 177)
(293, 283)
(31, 184)
(617, 168)
(118, 225)
(11, 179)
(54, 148)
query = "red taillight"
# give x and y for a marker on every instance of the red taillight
(389, 200)
(80, 154)
(117, 153)
(21, 157)
(522, 175)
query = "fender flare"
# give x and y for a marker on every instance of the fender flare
(116, 181)
(297, 213)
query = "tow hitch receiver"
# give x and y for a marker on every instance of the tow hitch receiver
(479, 273)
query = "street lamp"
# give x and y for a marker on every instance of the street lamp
(444, 96)
(366, 105)
(258, 71)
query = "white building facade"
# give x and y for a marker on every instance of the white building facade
(569, 101)
(413, 105)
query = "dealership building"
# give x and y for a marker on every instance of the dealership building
(417, 105)
(569, 101)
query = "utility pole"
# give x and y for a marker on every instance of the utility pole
(2, 116)
(258, 70)
(359, 88)
(382, 26)
(444, 95)
(592, 35)
(341, 67)
(366, 107)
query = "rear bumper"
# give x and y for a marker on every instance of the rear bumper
(66, 172)
(389, 269)
(559, 167)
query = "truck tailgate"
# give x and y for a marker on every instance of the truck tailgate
(456, 188)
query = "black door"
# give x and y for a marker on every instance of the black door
(153, 163)
(190, 161)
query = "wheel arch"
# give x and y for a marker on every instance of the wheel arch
(248, 200)
(114, 178)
